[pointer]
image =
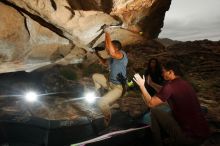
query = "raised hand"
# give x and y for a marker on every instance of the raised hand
(140, 81)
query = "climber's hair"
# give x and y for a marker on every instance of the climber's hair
(117, 44)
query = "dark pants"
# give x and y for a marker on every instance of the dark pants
(164, 121)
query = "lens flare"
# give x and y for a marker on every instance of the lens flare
(90, 97)
(31, 96)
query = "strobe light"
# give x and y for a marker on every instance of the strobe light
(91, 97)
(31, 96)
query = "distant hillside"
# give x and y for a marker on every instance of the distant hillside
(167, 42)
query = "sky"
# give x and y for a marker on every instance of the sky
(189, 20)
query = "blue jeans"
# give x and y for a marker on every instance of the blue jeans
(146, 119)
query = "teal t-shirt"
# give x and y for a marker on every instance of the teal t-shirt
(116, 67)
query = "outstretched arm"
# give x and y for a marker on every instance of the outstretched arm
(110, 48)
(150, 101)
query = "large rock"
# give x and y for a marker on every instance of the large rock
(41, 32)
(25, 44)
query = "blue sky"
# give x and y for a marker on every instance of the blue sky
(192, 20)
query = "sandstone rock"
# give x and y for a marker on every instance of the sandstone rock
(41, 32)
(25, 44)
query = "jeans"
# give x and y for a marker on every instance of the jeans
(163, 120)
(146, 119)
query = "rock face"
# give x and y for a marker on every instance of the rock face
(25, 44)
(42, 32)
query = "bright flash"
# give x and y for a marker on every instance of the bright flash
(91, 97)
(31, 96)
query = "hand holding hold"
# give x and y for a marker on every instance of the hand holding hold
(106, 28)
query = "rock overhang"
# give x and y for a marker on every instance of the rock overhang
(64, 31)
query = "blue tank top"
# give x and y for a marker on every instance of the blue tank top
(117, 66)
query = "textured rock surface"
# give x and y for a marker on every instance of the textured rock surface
(42, 32)
(25, 44)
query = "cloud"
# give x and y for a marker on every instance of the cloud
(192, 20)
